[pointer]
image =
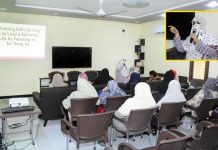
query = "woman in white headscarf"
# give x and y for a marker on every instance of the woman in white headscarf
(84, 90)
(200, 44)
(122, 72)
(173, 93)
(57, 81)
(142, 99)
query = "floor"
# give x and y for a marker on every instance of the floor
(51, 137)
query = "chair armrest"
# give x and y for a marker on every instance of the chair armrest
(126, 146)
(201, 125)
(178, 133)
(69, 125)
(190, 107)
(123, 120)
(166, 135)
(37, 99)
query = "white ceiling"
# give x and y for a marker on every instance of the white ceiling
(69, 8)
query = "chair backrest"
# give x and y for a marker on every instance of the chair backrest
(82, 105)
(173, 144)
(154, 84)
(92, 75)
(208, 140)
(73, 77)
(169, 113)
(197, 82)
(190, 93)
(139, 119)
(156, 95)
(114, 103)
(93, 126)
(205, 106)
(51, 74)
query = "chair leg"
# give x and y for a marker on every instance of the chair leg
(150, 139)
(45, 122)
(112, 136)
(133, 138)
(94, 145)
(67, 142)
(127, 137)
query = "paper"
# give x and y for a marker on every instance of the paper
(16, 102)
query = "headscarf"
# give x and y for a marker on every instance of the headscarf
(57, 81)
(112, 90)
(208, 91)
(168, 76)
(210, 85)
(142, 99)
(84, 76)
(173, 93)
(208, 38)
(84, 90)
(103, 77)
(122, 72)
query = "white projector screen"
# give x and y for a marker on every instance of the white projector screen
(19, 41)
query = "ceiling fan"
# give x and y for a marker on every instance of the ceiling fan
(101, 12)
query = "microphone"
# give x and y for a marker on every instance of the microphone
(191, 40)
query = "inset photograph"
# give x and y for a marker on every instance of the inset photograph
(191, 35)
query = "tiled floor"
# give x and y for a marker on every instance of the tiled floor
(51, 138)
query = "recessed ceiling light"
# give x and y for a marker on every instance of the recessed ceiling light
(212, 4)
(135, 3)
(3, 9)
(55, 13)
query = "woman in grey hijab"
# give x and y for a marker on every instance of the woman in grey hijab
(208, 91)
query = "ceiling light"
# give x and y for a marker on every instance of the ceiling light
(3, 9)
(135, 3)
(163, 15)
(212, 4)
(55, 13)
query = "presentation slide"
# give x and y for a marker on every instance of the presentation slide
(20, 41)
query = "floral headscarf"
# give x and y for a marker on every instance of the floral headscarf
(112, 90)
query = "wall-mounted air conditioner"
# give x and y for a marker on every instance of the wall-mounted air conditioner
(159, 29)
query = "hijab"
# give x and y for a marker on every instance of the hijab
(142, 99)
(208, 38)
(84, 90)
(57, 81)
(168, 76)
(103, 77)
(173, 93)
(210, 85)
(122, 72)
(112, 90)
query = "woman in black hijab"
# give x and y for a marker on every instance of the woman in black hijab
(168, 76)
(103, 77)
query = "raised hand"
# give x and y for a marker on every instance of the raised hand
(174, 31)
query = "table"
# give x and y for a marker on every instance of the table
(4, 116)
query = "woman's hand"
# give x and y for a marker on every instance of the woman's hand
(195, 39)
(174, 31)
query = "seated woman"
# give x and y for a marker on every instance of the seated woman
(173, 93)
(142, 99)
(209, 90)
(153, 76)
(112, 89)
(84, 90)
(103, 77)
(57, 81)
(168, 76)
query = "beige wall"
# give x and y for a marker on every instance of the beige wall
(106, 38)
